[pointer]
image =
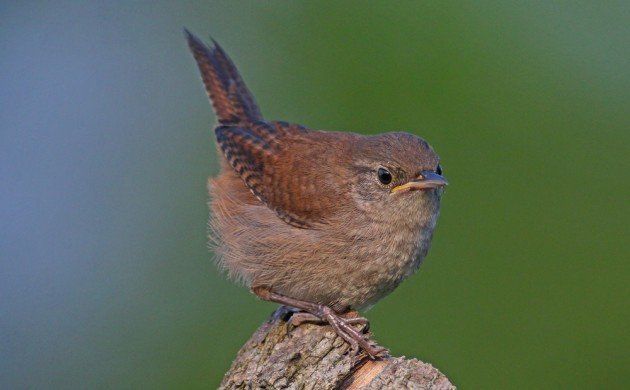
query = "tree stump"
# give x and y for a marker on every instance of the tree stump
(282, 356)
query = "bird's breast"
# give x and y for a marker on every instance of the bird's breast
(389, 248)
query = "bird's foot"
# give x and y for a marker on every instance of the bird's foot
(344, 327)
(351, 318)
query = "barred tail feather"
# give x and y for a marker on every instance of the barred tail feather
(231, 100)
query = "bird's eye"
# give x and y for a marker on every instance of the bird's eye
(438, 170)
(384, 176)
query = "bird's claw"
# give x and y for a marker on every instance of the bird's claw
(344, 327)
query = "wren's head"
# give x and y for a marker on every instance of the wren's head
(394, 171)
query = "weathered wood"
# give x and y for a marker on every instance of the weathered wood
(282, 356)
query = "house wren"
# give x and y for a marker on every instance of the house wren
(324, 222)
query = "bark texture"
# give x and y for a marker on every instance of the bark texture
(282, 356)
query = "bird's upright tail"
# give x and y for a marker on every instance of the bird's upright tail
(232, 101)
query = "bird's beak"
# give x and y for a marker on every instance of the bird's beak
(426, 179)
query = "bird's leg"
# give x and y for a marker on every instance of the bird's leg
(342, 326)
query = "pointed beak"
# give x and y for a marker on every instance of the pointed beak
(426, 179)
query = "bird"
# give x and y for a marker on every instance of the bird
(324, 222)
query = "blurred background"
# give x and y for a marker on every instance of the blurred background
(106, 144)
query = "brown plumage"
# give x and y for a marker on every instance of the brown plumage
(321, 221)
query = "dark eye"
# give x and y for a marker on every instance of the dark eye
(438, 170)
(384, 176)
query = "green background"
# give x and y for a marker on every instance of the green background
(106, 144)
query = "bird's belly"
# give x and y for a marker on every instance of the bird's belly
(382, 270)
(387, 255)
(358, 272)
